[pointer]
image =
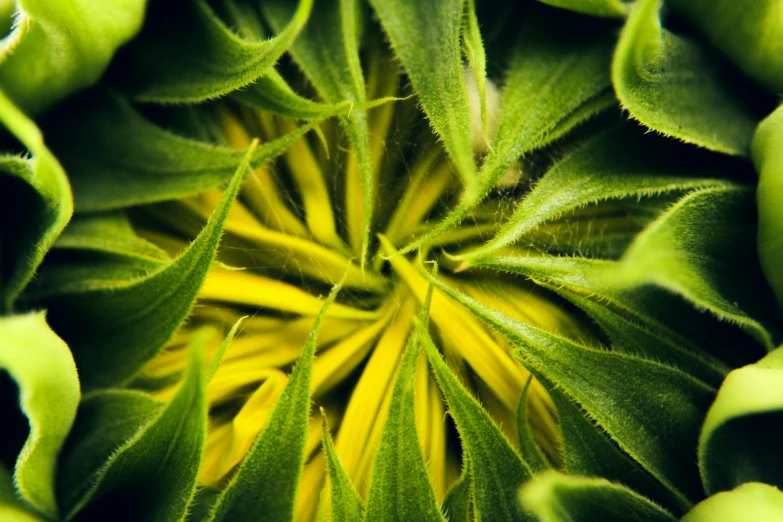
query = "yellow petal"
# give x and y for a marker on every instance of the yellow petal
(244, 288)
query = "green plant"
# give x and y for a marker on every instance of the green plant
(536, 226)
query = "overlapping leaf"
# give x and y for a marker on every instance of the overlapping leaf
(558, 68)
(49, 396)
(346, 504)
(328, 53)
(739, 441)
(60, 46)
(497, 471)
(555, 497)
(670, 84)
(115, 158)
(159, 462)
(11, 508)
(767, 143)
(696, 248)
(137, 317)
(267, 479)
(105, 421)
(634, 400)
(609, 166)
(195, 57)
(437, 74)
(400, 488)
(36, 195)
(749, 33)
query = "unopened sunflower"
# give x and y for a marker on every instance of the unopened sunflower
(391, 260)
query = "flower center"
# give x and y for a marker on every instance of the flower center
(297, 229)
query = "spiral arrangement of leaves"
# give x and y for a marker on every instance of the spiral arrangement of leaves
(391, 260)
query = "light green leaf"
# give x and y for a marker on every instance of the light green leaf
(11, 508)
(44, 371)
(272, 93)
(671, 85)
(160, 462)
(218, 357)
(196, 57)
(528, 446)
(740, 440)
(137, 317)
(400, 488)
(555, 497)
(696, 249)
(267, 478)
(346, 504)
(457, 503)
(35, 193)
(437, 75)
(767, 143)
(604, 8)
(559, 65)
(625, 318)
(616, 164)
(477, 59)
(61, 46)
(496, 468)
(749, 33)
(751, 501)
(652, 411)
(106, 420)
(115, 158)
(328, 53)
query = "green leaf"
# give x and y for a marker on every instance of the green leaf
(159, 463)
(36, 195)
(671, 85)
(740, 440)
(624, 316)
(105, 421)
(346, 504)
(652, 411)
(328, 53)
(769, 164)
(400, 488)
(528, 446)
(197, 57)
(457, 503)
(267, 478)
(273, 94)
(700, 249)
(58, 47)
(11, 508)
(108, 232)
(751, 501)
(603, 8)
(477, 59)
(749, 33)
(496, 468)
(559, 65)
(589, 451)
(44, 371)
(437, 75)
(555, 497)
(616, 164)
(137, 317)
(115, 158)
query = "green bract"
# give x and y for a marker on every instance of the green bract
(373, 260)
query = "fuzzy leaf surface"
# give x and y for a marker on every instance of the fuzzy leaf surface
(671, 85)
(35, 193)
(556, 497)
(48, 396)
